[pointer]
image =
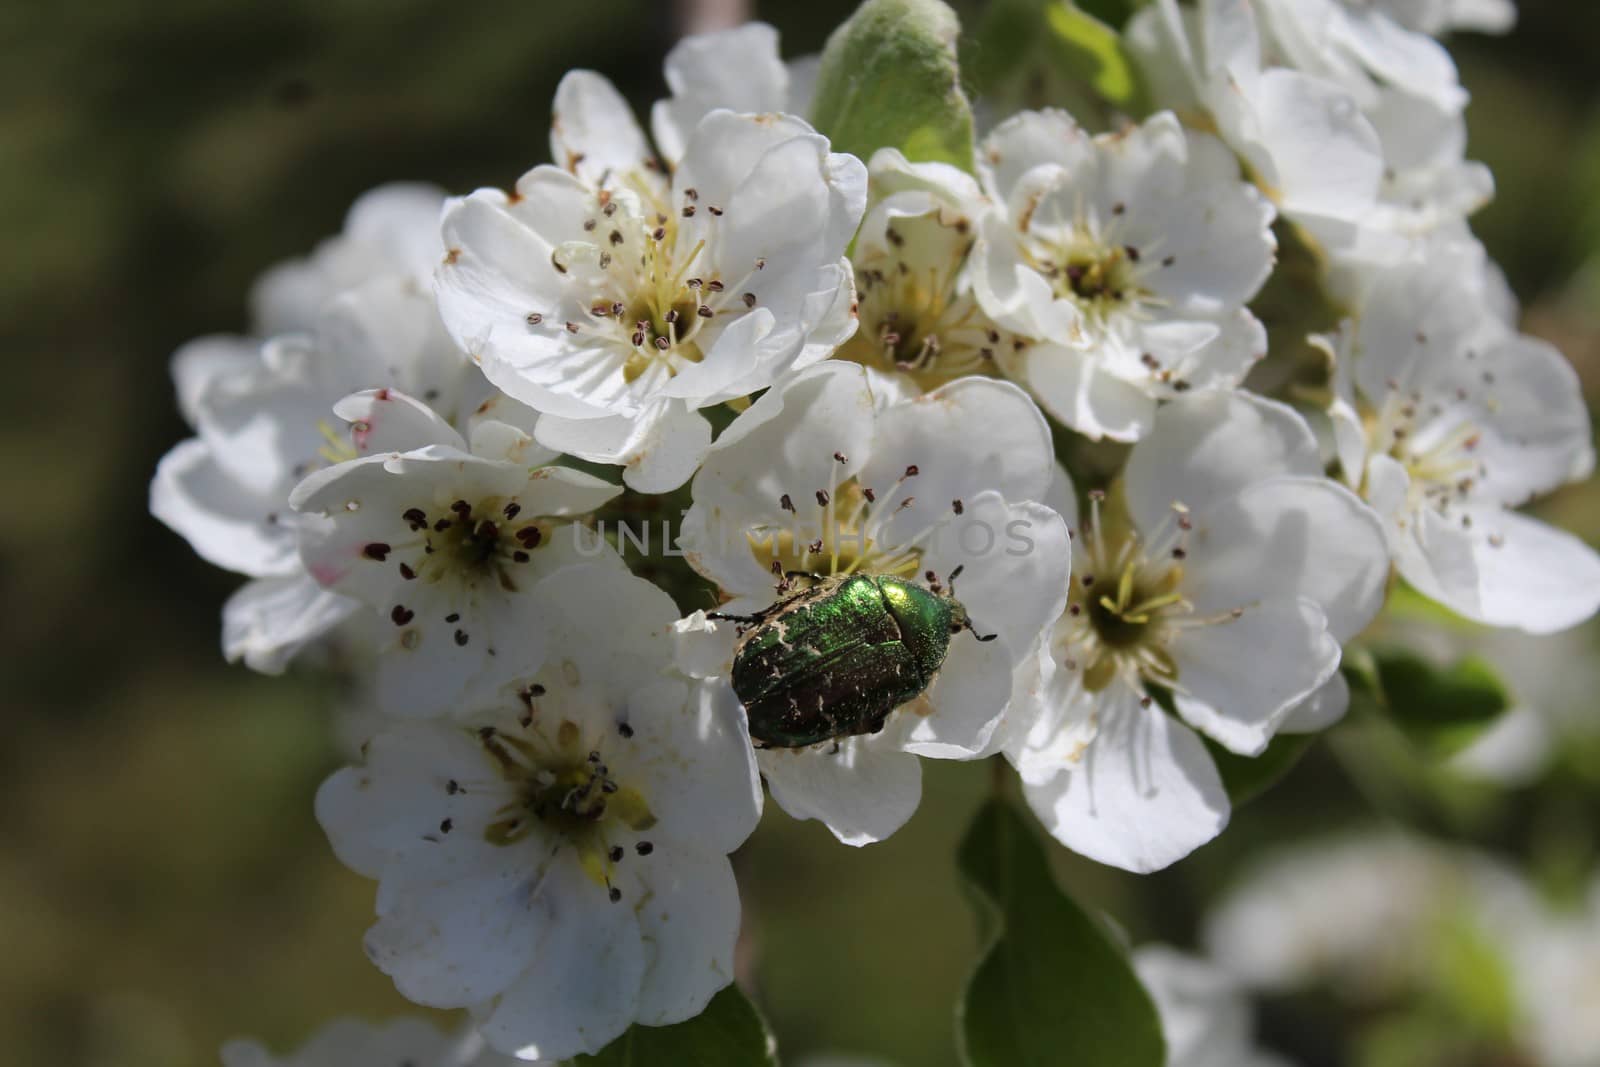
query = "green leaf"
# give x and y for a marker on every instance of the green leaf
(1247, 777)
(1091, 51)
(1052, 987)
(1408, 604)
(729, 1033)
(1020, 39)
(889, 79)
(1440, 709)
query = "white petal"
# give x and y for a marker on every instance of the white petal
(268, 621)
(970, 436)
(505, 429)
(1145, 795)
(1325, 157)
(592, 130)
(1032, 139)
(593, 610)
(387, 332)
(387, 420)
(737, 68)
(702, 647)
(197, 364)
(1320, 710)
(229, 525)
(1531, 575)
(691, 755)
(1287, 536)
(863, 792)
(583, 988)
(1072, 385)
(1240, 677)
(689, 922)
(956, 716)
(395, 800)
(1209, 445)
(401, 219)
(1016, 560)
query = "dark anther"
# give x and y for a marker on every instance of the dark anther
(644, 848)
(376, 550)
(461, 637)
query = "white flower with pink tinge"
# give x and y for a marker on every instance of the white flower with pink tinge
(261, 412)
(445, 540)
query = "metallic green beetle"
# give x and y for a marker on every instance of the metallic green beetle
(833, 660)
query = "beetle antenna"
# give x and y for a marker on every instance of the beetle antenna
(975, 633)
(951, 581)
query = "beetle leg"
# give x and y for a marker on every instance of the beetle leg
(975, 633)
(813, 575)
(736, 618)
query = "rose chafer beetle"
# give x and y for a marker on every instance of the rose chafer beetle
(835, 659)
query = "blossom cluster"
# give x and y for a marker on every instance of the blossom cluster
(872, 368)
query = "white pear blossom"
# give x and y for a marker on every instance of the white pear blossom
(822, 474)
(1429, 190)
(1205, 1018)
(356, 1043)
(556, 860)
(921, 324)
(617, 300)
(262, 416)
(445, 541)
(1361, 48)
(391, 232)
(1308, 145)
(738, 69)
(1235, 577)
(1447, 419)
(1127, 258)
(1437, 17)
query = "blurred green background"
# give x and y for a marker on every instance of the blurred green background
(163, 884)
